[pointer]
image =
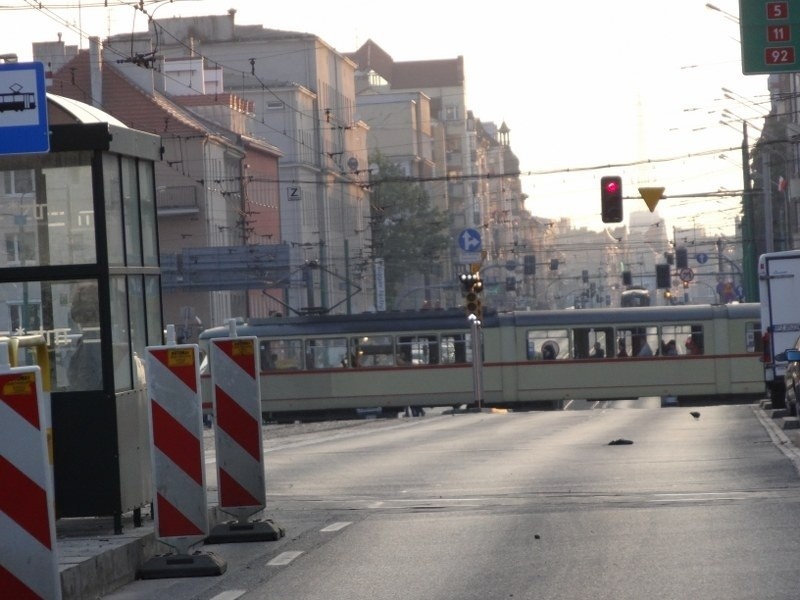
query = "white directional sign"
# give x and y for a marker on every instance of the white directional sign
(23, 109)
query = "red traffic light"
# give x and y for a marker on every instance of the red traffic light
(611, 198)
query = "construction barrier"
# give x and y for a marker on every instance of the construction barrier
(176, 433)
(239, 439)
(28, 561)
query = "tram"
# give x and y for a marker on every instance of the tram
(339, 365)
(635, 296)
(17, 101)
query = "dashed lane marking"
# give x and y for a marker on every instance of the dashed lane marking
(336, 526)
(284, 558)
(229, 595)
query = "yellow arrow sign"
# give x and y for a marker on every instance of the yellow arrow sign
(651, 196)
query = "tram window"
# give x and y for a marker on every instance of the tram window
(372, 351)
(640, 341)
(753, 340)
(592, 342)
(675, 339)
(417, 350)
(326, 353)
(695, 343)
(281, 355)
(455, 348)
(547, 344)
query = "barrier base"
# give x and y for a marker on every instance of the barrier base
(250, 531)
(183, 565)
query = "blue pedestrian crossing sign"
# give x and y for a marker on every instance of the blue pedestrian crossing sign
(23, 109)
(469, 240)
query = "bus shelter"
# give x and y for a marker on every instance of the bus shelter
(79, 265)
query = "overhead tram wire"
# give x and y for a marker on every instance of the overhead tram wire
(138, 6)
(77, 5)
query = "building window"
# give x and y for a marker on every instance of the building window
(376, 80)
(20, 247)
(16, 183)
(26, 316)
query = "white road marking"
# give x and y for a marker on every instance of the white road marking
(229, 595)
(284, 558)
(336, 526)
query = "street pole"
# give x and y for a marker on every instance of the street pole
(766, 177)
(477, 363)
(749, 258)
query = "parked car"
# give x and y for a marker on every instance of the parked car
(791, 377)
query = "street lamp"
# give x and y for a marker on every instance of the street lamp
(726, 14)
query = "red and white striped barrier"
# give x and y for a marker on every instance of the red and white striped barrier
(179, 474)
(176, 428)
(239, 439)
(28, 561)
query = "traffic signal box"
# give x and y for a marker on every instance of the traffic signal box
(472, 286)
(611, 198)
(529, 264)
(627, 278)
(681, 258)
(663, 277)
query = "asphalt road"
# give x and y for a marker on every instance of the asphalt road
(523, 506)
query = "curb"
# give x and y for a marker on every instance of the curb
(93, 565)
(774, 426)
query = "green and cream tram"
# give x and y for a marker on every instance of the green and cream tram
(335, 365)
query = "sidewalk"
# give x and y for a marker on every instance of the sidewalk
(94, 561)
(787, 428)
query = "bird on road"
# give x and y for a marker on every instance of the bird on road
(620, 442)
(695, 414)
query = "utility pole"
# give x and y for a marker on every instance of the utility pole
(749, 258)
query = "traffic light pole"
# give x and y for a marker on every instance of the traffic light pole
(472, 287)
(477, 363)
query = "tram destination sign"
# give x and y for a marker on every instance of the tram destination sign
(23, 109)
(770, 36)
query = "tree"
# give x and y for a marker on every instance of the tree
(408, 233)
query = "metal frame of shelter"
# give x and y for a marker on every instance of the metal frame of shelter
(80, 228)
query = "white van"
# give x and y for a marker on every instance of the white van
(779, 289)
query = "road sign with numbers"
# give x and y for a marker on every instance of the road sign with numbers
(770, 36)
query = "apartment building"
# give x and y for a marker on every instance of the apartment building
(210, 223)
(303, 96)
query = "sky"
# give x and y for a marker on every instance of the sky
(587, 88)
